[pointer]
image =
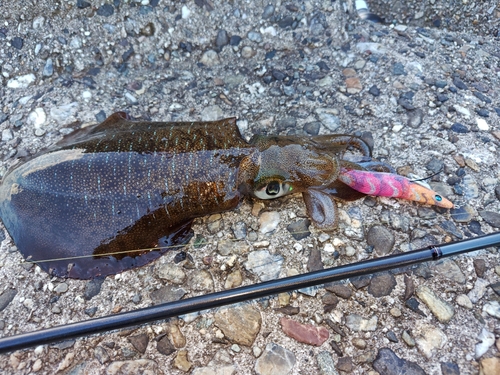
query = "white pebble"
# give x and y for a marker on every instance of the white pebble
(268, 30)
(175, 107)
(247, 52)
(7, 135)
(37, 365)
(185, 12)
(37, 118)
(21, 82)
(28, 303)
(130, 98)
(25, 99)
(256, 351)
(86, 95)
(464, 111)
(323, 237)
(338, 242)
(242, 125)
(485, 340)
(76, 42)
(210, 58)
(350, 251)
(38, 22)
(39, 349)
(492, 308)
(269, 221)
(482, 124)
(329, 248)
(464, 301)
(63, 113)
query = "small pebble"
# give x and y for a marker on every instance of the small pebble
(254, 36)
(222, 39)
(48, 69)
(269, 221)
(478, 291)
(6, 297)
(264, 265)
(464, 301)
(139, 342)
(492, 308)
(482, 112)
(449, 368)
(344, 364)
(358, 323)
(482, 124)
(17, 42)
(462, 214)
(490, 366)
(328, 117)
(21, 82)
(485, 340)
(235, 40)
(392, 336)
(185, 12)
(374, 90)
(240, 324)
(274, 360)
(268, 12)
(181, 361)
(248, 52)
(325, 363)
(210, 58)
(398, 69)
(388, 363)
(432, 340)
(415, 118)
(459, 84)
(479, 267)
(341, 290)
(61, 288)
(443, 310)
(105, 10)
(459, 128)
(381, 239)
(305, 333)
(382, 285)
(239, 230)
(491, 217)
(82, 4)
(408, 339)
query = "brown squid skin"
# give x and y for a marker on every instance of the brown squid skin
(133, 185)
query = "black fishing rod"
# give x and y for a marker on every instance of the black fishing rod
(245, 293)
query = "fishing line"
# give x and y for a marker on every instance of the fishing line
(144, 250)
(428, 177)
(124, 252)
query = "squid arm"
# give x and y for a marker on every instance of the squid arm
(391, 185)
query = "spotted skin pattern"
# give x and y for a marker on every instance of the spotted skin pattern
(136, 186)
(84, 199)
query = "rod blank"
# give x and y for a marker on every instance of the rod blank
(245, 293)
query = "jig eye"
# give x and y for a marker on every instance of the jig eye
(273, 189)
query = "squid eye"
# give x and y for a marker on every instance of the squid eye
(273, 189)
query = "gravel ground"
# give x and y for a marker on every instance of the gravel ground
(425, 87)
